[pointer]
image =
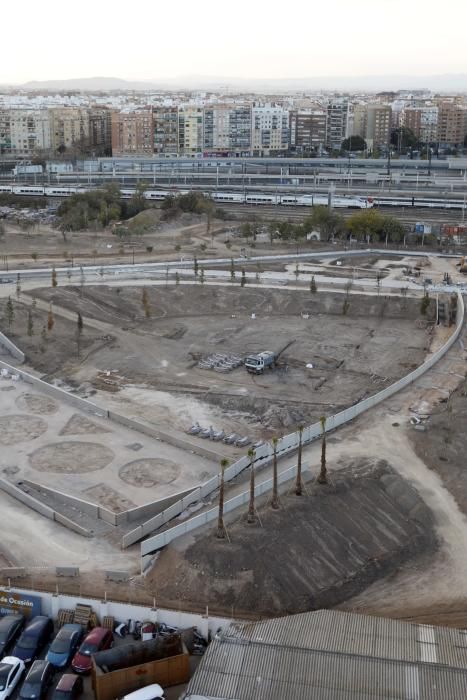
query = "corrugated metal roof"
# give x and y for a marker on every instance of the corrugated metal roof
(330, 655)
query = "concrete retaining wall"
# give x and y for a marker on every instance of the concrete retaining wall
(290, 442)
(39, 507)
(156, 434)
(12, 348)
(72, 501)
(147, 547)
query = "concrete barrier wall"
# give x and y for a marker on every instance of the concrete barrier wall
(73, 501)
(290, 442)
(71, 525)
(51, 603)
(12, 348)
(42, 509)
(28, 500)
(152, 544)
(152, 432)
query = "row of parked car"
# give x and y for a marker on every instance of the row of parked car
(21, 643)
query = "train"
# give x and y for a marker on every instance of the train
(253, 198)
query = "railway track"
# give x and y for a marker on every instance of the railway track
(406, 215)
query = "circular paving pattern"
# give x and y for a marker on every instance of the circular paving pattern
(149, 472)
(14, 429)
(37, 403)
(71, 457)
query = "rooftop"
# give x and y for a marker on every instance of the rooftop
(331, 655)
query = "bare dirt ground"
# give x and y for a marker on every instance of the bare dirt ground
(152, 369)
(333, 541)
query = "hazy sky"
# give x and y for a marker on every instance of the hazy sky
(148, 39)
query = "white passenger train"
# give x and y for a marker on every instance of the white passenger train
(299, 200)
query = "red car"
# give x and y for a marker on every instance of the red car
(98, 639)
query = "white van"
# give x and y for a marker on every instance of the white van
(150, 692)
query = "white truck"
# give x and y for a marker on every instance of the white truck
(256, 364)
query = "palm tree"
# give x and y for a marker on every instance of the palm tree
(220, 519)
(298, 480)
(322, 478)
(251, 507)
(275, 494)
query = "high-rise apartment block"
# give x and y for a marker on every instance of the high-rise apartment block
(133, 132)
(307, 131)
(452, 123)
(269, 130)
(165, 130)
(338, 123)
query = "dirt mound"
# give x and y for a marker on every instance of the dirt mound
(334, 541)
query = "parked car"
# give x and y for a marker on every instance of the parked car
(69, 687)
(10, 628)
(11, 672)
(98, 639)
(36, 635)
(38, 681)
(65, 644)
(150, 692)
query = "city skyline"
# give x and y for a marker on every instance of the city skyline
(295, 41)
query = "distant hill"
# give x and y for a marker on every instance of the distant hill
(89, 84)
(365, 83)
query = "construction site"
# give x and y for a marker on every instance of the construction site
(183, 373)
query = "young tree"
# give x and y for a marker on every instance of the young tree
(298, 480)
(251, 506)
(79, 331)
(425, 303)
(296, 272)
(275, 490)
(10, 312)
(30, 324)
(50, 319)
(81, 280)
(243, 279)
(177, 278)
(54, 277)
(313, 287)
(404, 292)
(18, 285)
(195, 266)
(145, 303)
(101, 271)
(322, 478)
(232, 270)
(201, 275)
(43, 344)
(220, 518)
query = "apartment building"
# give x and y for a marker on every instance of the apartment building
(422, 121)
(378, 126)
(5, 131)
(227, 129)
(100, 131)
(69, 129)
(307, 131)
(190, 130)
(452, 123)
(133, 132)
(165, 130)
(338, 123)
(30, 132)
(270, 130)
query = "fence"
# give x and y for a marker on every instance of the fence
(53, 602)
(287, 444)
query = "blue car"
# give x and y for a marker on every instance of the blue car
(35, 636)
(64, 645)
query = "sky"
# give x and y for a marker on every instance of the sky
(156, 39)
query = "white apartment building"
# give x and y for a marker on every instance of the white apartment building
(269, 130)
(30, 131)
(190, 129)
